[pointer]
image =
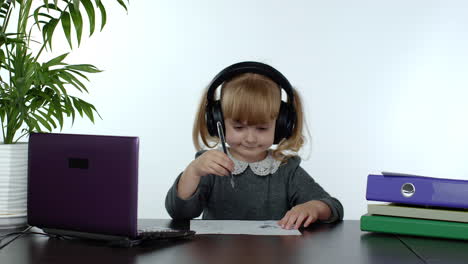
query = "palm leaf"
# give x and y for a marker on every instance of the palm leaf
(58, 113)
(66, 27)
(48, 118)
(84, 68)
(69, 106)
(37, 15)
(87, 109)
(66, 17)
(42, 121)
(73, 81)
(77, 105)
(88, 5)
(121, 2)
(5, 6)
(76, 4)
(77, 22)
(102, 9)
(79, 74)
(56, 61)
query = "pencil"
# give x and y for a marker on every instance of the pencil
(223, 144)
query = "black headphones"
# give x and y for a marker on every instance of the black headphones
(287, 114)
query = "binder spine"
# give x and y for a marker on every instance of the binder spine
(424, 191)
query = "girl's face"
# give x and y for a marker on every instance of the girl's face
(249, 143)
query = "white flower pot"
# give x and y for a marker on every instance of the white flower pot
(13, 185)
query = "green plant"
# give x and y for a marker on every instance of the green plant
(33, 93)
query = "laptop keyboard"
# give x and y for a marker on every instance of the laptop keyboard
(161, 233)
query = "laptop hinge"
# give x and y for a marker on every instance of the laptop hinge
(79, 234)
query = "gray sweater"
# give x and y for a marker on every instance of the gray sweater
(253, 198)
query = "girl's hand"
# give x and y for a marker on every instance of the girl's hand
(212, 162)
(306, 213)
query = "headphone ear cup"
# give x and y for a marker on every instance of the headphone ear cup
(284, 123)
(209, 118)
(213, 115)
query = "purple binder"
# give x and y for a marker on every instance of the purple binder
(419, 190)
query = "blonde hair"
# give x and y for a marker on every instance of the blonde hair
(255, 99)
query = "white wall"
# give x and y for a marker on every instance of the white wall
(384, 83)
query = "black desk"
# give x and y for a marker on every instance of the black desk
(326, 243)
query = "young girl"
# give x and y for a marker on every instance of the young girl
(269, 182)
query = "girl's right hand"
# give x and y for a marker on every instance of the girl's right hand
(212, 162)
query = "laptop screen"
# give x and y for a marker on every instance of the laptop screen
(83, 183)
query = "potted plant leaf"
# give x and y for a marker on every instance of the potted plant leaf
(35, 92)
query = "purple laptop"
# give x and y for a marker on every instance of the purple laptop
(87, 186)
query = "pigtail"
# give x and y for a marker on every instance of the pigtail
(200, 130)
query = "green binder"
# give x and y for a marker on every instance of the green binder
(412, 226)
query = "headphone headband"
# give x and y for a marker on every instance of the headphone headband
(250, 67)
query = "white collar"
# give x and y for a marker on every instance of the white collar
(261, 168)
